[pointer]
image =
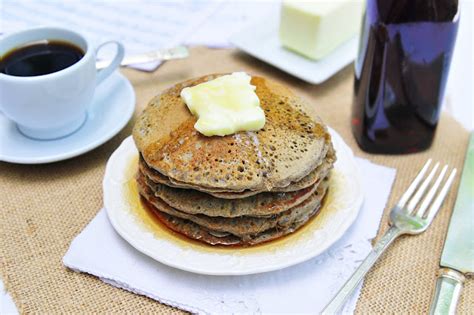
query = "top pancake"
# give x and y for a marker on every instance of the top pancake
(292, 143)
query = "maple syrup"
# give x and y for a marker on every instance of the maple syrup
(401, 72)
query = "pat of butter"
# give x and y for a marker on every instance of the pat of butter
(225, 105)
(315, 28)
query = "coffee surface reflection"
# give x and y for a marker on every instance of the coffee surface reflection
(40, 58)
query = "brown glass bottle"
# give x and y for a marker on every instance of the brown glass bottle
(401, 73)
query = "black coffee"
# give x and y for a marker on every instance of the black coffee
(39, 59)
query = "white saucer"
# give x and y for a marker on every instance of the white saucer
(261, 41)
(337, 215)
(111, 109)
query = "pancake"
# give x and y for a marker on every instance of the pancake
(195, 232)
(242, 225)
(199, 233)
(260, 205)
(241, 189)
(291, 145)
(305, 182)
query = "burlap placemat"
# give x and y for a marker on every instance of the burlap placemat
(44, 207)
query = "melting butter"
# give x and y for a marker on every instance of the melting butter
(225, 105)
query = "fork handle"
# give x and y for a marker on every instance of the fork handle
(346, 291)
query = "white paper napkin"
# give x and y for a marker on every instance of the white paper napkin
(304, 288)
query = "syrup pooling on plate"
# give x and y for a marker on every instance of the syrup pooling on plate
(150, 222)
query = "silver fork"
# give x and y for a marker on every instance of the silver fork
(406, 217)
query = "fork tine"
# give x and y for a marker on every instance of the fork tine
(414, 184)
(431, 193)
(419, 193)
(440, 198)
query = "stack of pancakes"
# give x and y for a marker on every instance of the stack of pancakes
(241, 189)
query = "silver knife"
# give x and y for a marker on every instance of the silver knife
(177, 52)
(457, 259)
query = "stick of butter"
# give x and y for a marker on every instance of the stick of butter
(225, 105)
(314, 28)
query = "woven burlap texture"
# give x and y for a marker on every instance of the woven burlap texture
(43, 207)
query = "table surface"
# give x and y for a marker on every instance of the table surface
(459, 97)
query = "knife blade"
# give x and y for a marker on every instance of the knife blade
(457, 258)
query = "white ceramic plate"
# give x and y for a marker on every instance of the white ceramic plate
(261, 41)
(111, 109)
(337, 215)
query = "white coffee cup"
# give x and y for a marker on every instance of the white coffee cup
(52, 105)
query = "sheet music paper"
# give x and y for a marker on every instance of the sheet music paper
(141, 25)
(231, 17)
